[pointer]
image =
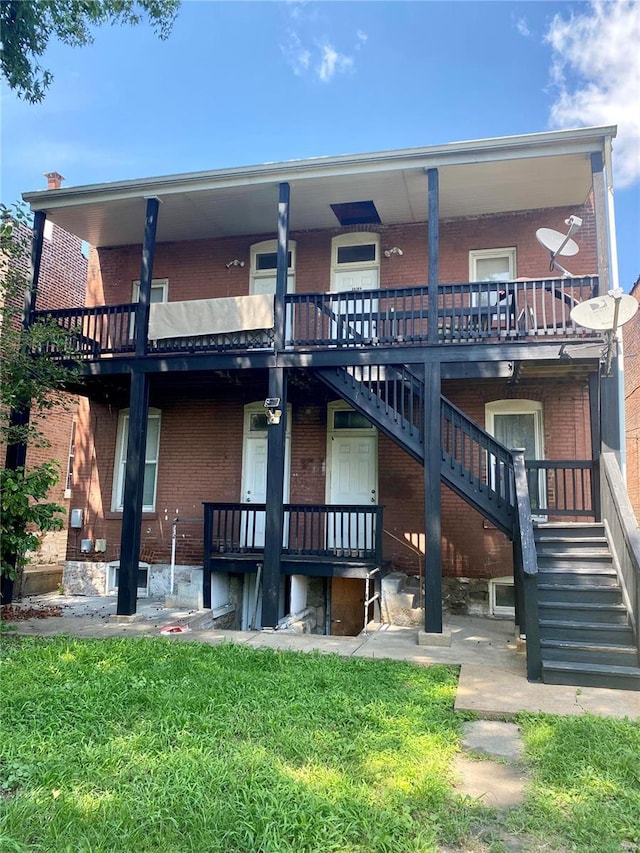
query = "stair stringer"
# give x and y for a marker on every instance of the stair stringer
(409, 436)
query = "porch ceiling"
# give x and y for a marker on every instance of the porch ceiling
(483, 177)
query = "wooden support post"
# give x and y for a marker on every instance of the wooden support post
(594, 418)
(130, 537)
(610, 386)
(432, 500)
(133, 495)
(434, 252)
(146, 276)
(274, 522)
(282, 267)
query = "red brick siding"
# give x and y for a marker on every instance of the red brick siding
(196, 269)
(201, 460)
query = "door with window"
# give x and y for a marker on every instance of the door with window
(254, 474)
(159, 293)
(264, 263)
(355, 266)
(352, 455)
(516, 424)
(493, 265)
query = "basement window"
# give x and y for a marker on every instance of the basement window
(113, 572)
(502, 599)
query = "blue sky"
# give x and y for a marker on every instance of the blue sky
(241, 83)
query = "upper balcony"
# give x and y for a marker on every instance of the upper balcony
(469, 312)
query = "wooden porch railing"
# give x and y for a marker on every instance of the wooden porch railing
(467, 312)
(563, 487)
(344, 532)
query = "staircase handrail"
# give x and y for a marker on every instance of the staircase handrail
(619, 517)
(525, 568)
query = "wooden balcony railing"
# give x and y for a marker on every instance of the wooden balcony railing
(467, 312)
(563, 488)
(325, 531)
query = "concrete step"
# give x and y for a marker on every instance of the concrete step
(579, 593)
(589, 652)
(40, 579)
(584, 612)
(588, 632)
(591, 675)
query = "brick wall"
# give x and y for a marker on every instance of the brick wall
(196, 269)
(201, 460)
(62, 283)
(631, 334)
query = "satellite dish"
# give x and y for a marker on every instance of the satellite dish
(558, 243)
(604, 313)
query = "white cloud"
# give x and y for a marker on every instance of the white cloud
(596, 68)
(523, 27)
(308, 51)
(332, 62)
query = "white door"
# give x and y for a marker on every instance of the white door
(355, 267)
(254, 473)
(353, 477)
(263, 273)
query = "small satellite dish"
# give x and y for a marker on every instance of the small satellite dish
(558, 243)
(599, 313)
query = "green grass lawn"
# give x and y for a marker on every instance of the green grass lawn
(151, 745)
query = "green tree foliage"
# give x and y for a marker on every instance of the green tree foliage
(30, 382)
(27, 26)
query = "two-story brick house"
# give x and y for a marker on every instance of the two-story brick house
(319, 368)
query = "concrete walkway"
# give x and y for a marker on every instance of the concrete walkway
(492, 680)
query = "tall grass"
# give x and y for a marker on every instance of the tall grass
(149, 745)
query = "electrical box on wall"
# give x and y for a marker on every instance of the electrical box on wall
(101, 545)
(76, 519)
(85, 546)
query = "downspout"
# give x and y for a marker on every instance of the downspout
(613, 261)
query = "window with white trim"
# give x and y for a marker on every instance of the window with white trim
(150, 462)
(492, 264)
(159, 290)
(502, 600)
(516, 424)
(264, 264)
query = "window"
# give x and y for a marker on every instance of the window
(113, 577)
(492, 265)
(159, 290)
(359, 250)
(519, 423)
(502, 597)
(72, 452)
(150, 465)
(264, 263)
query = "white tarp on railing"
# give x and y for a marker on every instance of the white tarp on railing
(210, 316)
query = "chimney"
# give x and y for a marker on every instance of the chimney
(54, 180)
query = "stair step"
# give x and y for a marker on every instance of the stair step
(589, 652)
(576, 561)
(591, 675)
(578, 576)
(579, 593)
(588, 632)
(573, 541)
(570, 531)
(579, 611)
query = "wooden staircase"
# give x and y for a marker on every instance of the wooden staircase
(586, 635)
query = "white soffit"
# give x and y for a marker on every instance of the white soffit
(200, 206)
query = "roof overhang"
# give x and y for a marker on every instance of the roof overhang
(476, 178)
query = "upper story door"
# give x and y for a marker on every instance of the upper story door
(264, 263)
(355, 266)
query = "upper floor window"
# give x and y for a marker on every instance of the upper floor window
(150, 461)
(264, 265)
(159, 290)
(492, 264)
